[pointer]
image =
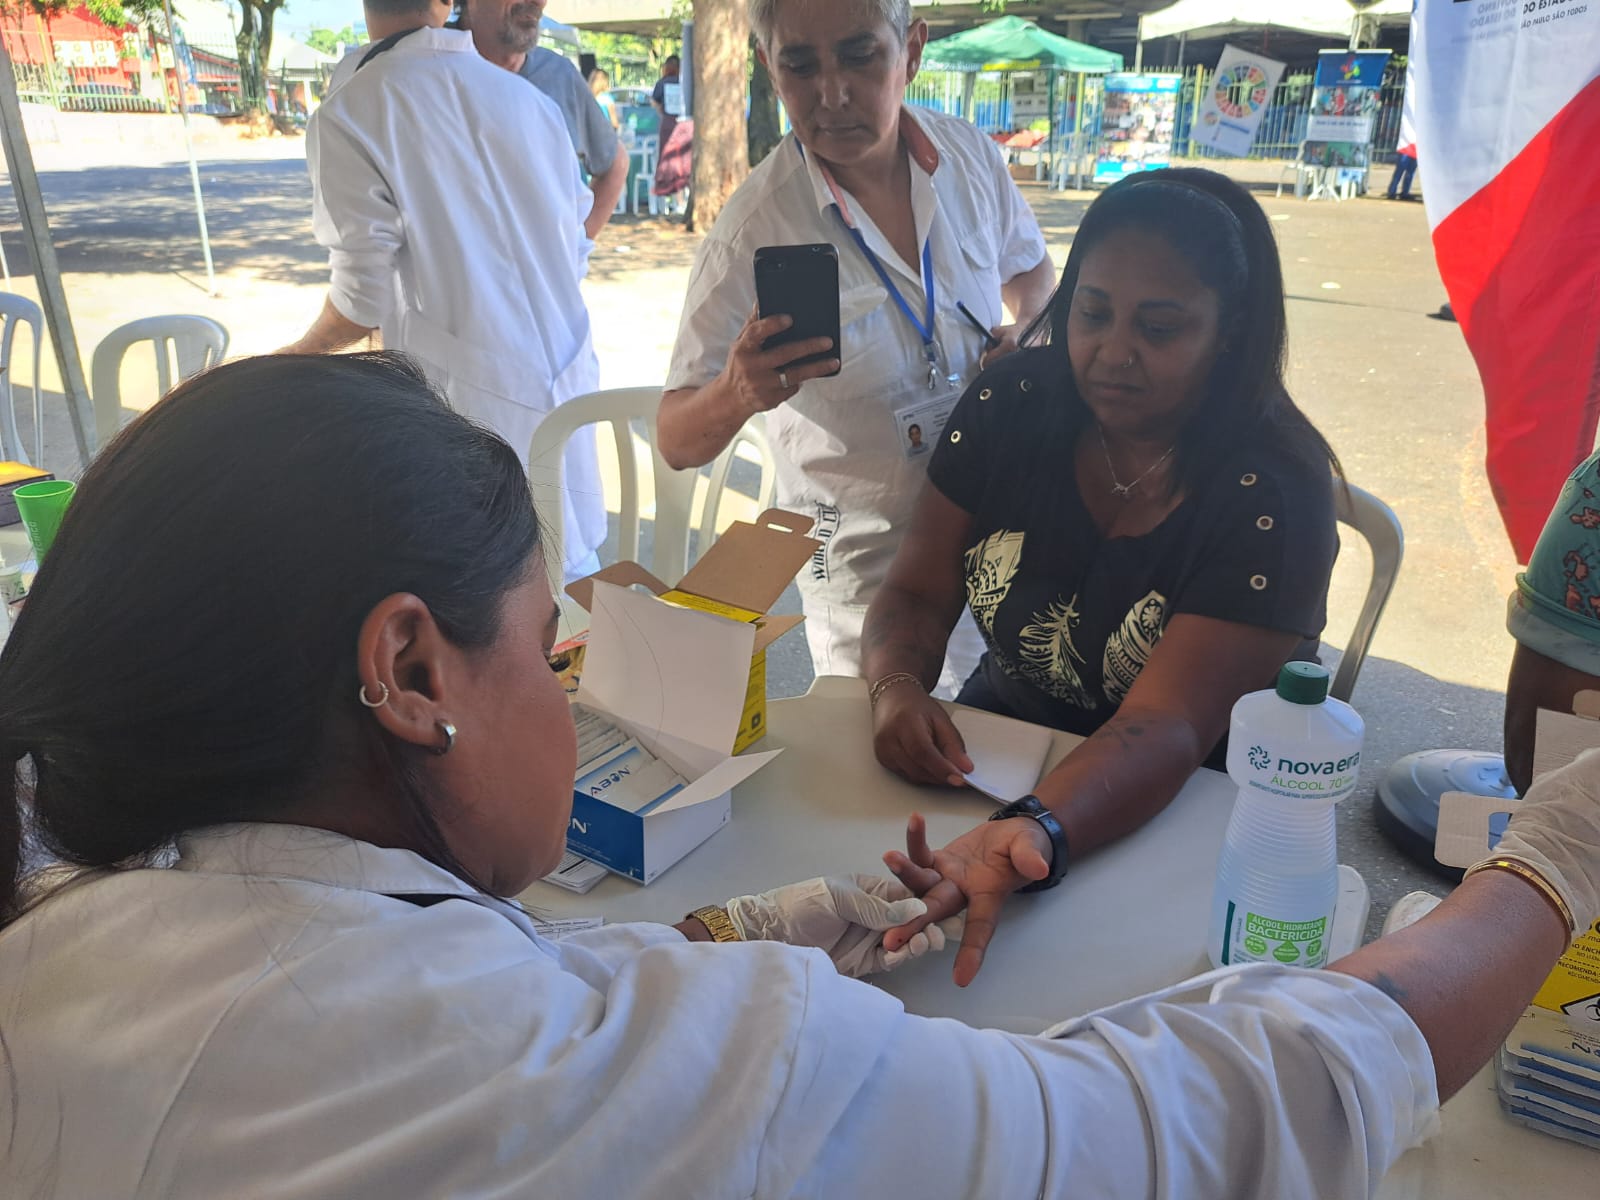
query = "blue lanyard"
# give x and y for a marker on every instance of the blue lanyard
(924, 327)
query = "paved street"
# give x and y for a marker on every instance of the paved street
(1394, 390)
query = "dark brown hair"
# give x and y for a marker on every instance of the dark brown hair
(187, 655)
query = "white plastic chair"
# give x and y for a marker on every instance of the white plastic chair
(15, 311)
(1309, 178)
(627, 410)
(194, 343)
(1375, 521)
(1067, 161)
(646, 150)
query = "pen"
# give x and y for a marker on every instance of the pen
(989, 339)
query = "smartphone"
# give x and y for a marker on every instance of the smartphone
(801, 282)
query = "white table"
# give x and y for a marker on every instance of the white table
(1128, 920)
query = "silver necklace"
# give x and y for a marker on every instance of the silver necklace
(1124, 491)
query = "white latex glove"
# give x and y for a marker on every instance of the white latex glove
(845, 916)
(1556, 831)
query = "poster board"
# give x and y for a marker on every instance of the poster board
(1344, 107)
(1136, 125)
(1240, 90)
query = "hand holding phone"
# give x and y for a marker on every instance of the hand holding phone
(780, 346)
(802, 283)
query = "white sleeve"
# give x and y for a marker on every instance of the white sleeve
(1269, 1083)
(595, 955)
(447, 1055)
(355, 216)
(1021, 240)
(719, 299)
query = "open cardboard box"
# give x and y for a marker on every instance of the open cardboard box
(676, 676)
(739, 578)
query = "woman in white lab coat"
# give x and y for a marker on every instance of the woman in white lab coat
(280, 695)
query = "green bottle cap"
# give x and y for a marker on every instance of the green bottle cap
(1303, 682)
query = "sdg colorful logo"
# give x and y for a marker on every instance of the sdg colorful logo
(1241, 90)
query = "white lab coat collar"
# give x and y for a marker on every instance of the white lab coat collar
(431, 40)
(924, 156)
(426, 38)
(301, 852)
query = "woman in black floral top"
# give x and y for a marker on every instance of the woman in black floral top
(1141, 521)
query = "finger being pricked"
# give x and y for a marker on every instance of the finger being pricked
(944, 899)
(918, 879)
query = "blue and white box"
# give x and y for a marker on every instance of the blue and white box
(674, 679)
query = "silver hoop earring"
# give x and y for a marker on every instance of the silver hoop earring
(449, 732)
(383, 695)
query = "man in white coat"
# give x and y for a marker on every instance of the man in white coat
(452, 208)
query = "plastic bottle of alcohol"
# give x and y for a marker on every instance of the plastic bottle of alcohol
(1295, 753)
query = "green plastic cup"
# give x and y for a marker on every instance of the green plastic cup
(41, 506)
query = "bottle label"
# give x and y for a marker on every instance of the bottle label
(1250, 937)
(1283, 773)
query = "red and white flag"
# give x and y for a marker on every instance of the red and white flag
(1505, 96)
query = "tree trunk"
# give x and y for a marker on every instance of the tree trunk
(264, 62)
(765, 129)
(255, 51)
(721, 156)
(250, 90)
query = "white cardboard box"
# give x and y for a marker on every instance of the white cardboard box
(675, 679)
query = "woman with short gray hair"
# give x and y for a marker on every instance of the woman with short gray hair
(896, 14)
(926, 222)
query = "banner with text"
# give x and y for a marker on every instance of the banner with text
(1506, 99)
(1237, 99)
(1344, 107)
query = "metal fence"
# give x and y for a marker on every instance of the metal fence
(998, 106)
(945, 91)
(129, 72)
(1283, 125)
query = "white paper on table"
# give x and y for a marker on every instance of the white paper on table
(1007, 755)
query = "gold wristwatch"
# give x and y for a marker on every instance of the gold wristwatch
(716, 921)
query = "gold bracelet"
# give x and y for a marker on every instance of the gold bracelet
(887, 682)
(717, 923)
(1524, 872)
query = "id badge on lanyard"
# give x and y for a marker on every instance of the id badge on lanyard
(920, 412)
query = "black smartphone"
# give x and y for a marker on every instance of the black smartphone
(801, 282)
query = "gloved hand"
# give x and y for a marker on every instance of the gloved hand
(845, 916)
(1556, 831)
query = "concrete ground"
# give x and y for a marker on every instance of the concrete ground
(1395, 392)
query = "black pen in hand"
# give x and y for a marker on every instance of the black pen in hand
(989, 339)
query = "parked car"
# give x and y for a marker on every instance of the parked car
(626, 96)
(108, 97)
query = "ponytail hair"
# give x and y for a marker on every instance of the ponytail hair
(187, 655)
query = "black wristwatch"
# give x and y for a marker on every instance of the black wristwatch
(1030, 806)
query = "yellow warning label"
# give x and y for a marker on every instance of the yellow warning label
(690, 600)
(1576, 976)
